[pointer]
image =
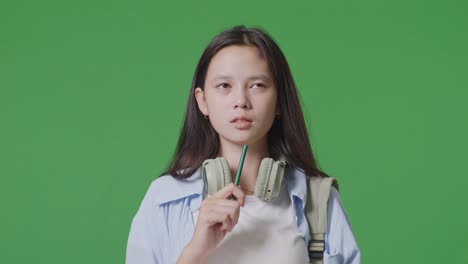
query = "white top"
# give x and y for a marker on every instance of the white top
(266, 232)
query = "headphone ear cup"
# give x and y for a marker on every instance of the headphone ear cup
(261, 187)
(215, 174)
(225, 177)
(270, 178)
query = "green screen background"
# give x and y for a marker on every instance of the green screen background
(93, 95)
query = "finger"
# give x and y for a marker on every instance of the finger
(221, 202)
(239, 194)
(219, 217)
(225, 192)
(215, 205)
(235, 217)
(219, 206)
(227, 223)
(232, 212)
(230, 190)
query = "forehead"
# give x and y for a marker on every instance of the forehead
(238, 61)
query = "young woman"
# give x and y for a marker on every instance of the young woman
(242, 93)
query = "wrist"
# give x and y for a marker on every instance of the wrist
(190, 254)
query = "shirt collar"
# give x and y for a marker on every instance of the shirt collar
(170, 189)
(296, 181)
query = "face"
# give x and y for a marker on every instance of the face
(239, 96)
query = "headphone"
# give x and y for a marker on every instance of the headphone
(216, 174)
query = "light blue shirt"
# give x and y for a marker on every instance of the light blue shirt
(164, 224)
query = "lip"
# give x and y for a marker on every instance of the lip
(241, 122)
(240, 118)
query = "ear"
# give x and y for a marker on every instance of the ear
(200, 97)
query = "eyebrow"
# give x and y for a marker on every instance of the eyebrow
(253, 77)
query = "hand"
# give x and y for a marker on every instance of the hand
(217, 216)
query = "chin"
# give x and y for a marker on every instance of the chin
(241, 140)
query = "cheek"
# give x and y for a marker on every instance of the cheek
(266, 114)
(271, 111)
(269, 107)
(215, 107)
(217, 112)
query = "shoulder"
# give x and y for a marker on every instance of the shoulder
(340, 235)
(163, 221)
(336, 211)
(167, 188)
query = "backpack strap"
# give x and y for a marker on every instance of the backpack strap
(318, 192)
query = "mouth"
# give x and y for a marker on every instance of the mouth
(241, 122)
(240, 119)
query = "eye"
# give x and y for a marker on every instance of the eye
(261, 85)
(223, 85)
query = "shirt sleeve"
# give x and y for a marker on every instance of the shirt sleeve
(139, 244)
(342, 246)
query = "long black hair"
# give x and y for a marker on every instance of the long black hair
(288, 135)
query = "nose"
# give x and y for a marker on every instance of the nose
(242, 105)
(241, 100)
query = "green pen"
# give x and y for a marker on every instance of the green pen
(239, 169)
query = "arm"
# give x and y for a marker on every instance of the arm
(139, 249)
(218, 216)
(340, 238)
(190, 256)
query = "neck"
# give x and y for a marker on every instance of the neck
(256, 152)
